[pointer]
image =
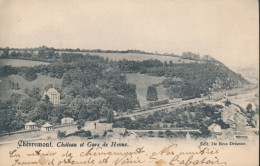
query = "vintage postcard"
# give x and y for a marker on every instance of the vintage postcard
(129, 83)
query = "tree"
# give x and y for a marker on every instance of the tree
(46, 99)
(6, 52)
(7, 116)
(168, 133)
(42, 111)
(35, 93)
(167, 82)
(17, 86)
(227, 103)
(150, 133)
(80, 123)
(160, 134)
(165, 64)
(171, 63)
(61, 134)
(30, 74)
(110, 117)
(249, 107)
(12, 85)
(150, 119)
(250, 112)
(151, 94)
(26, 104)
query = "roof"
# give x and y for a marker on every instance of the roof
(30, 123)
(47, 125)
(122, 130)
(52, 90)
(68, 118)
(105, 124)
(215, 127)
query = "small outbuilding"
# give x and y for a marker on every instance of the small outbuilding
(30, 126)
(67, 120)
(104, 126)
(47, 127)
(215, 128)
(119, 130)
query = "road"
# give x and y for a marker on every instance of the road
(163, 130)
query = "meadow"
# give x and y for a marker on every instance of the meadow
(41, 82)
(136, 56)
(20, 62)
(142, 82)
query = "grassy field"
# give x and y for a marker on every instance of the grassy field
(20, 62)
(141, 57)
(142, 82)
(40, 82)
(136, 56)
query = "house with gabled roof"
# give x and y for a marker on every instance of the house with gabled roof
(30, 126)
(47, 127)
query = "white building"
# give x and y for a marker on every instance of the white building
(215, 128)
(30, 126)
(103, 126)
(53, 95)
(119, 130)
(47, 127)
(67, 120)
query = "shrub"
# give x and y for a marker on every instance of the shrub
(61, 134)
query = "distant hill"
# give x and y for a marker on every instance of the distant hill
(249, 73)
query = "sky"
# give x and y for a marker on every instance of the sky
(226, 30)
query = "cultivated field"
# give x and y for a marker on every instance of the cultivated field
(141, 57)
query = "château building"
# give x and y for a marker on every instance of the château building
(53, 95)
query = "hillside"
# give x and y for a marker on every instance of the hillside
(199, 74)
(42, 81)
(20, 62)
(142, 82)
(196, 78)
(93, 87)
